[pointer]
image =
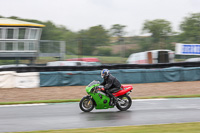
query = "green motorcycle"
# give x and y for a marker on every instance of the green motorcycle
(98, 99)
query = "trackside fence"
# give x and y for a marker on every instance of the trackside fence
(12, 79)
(125, 76)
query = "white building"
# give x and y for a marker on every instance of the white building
(19, 39)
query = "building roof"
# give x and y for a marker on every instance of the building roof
(13, 22)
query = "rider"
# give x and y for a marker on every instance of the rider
(111, 84)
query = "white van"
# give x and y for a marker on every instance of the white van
(151, 57)
(13, 65)
(67, 63)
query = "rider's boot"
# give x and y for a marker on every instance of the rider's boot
(113, 101)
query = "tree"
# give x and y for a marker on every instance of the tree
(54, 32)
(91, 38)
(98, 36)
(117, 30)
(145, 44)
(159, 29)
(191, 28)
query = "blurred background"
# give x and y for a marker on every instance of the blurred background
(110, 34)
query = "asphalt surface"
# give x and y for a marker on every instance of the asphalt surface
(68, 115)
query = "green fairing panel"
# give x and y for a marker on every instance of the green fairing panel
(99, 100)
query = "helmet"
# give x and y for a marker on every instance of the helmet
(105, 73)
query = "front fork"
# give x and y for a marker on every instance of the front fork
(90, 98)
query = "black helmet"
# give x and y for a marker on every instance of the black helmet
(105, 73)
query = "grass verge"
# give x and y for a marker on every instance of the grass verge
(162, 128)
(103, 59)
(77, 100)
(40, 101)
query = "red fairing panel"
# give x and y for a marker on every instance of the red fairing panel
(126, 88)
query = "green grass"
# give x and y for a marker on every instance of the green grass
(103, 59)
(162, 128)
(77, 100)
(40, 101)
(108, 59)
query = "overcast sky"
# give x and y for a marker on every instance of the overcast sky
(82, 14)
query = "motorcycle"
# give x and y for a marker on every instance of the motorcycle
(98, 99)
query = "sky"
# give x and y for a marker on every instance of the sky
(83, 14)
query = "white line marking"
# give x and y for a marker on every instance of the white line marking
(150, 99)
(23, 105)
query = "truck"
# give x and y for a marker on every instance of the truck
(152, 57)
(67, 63)
(90, 60)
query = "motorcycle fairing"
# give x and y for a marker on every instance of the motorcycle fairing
(100, 99)
(125, 89)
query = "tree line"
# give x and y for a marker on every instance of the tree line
(91, 41)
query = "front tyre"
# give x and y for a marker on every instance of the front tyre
(124, 103)
(86, 104)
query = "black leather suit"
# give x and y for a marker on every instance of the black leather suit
(111, 85)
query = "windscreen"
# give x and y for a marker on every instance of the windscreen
(93, 83)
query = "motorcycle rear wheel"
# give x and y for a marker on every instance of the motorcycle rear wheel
(127, 103)
(86, 104)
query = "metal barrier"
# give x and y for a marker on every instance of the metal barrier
(92, 68)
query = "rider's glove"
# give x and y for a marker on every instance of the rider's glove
(100, 89)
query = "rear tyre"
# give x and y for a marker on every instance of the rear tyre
(124, 103)
(86, 104)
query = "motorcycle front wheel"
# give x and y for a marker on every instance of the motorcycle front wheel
(86, 104)
(124, 103)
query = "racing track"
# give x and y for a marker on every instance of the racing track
(68, 115)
